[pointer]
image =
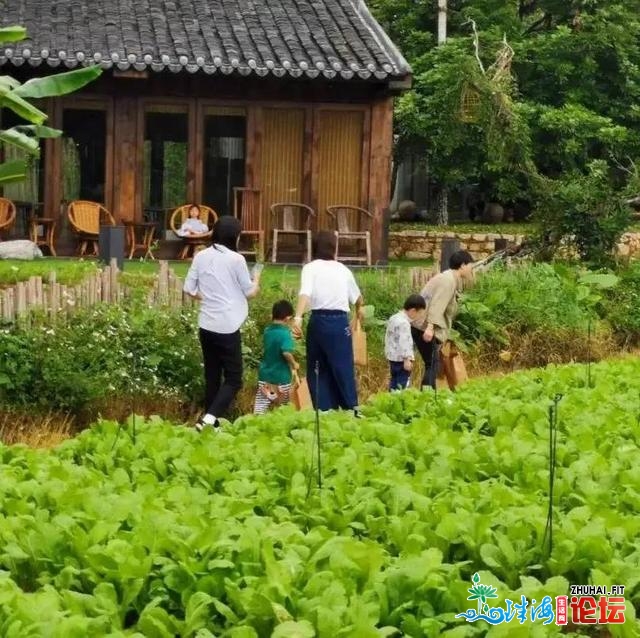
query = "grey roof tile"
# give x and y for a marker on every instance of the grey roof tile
(313, 38)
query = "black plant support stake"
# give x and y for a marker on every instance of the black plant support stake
(589, 353)
(553, 445)
(317, 371)
(316, 436)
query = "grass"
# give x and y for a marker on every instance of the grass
(70, 270)
(522, 228)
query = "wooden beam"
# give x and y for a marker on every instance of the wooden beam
(380, 171)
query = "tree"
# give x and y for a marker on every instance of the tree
(16, 96)
(571, 96)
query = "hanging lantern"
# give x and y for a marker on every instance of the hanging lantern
(470, 104)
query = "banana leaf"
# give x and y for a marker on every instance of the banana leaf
(59, 84)
(12, 34)
(26, 142)
(13, 171)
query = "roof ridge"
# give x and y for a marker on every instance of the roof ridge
(383, 40)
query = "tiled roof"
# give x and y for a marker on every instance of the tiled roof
(313, 38)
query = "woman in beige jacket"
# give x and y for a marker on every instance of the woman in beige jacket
(441, 296)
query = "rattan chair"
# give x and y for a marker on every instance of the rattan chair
(247, 207)
(353, 225)
(86, 218)
(7, 214)
(292, 219)
(190, 244)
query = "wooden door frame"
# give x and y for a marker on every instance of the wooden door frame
(155, 105)
(54, 189)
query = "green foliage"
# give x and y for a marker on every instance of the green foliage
(507, 302)
(622, 306)
(174, 533)
(584, 211)
(15, 96)
(573, 96)
(101, 352)
(67, 272)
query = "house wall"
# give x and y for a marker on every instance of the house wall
(314, 142)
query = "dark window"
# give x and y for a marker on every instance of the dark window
(84, 154)
(224, 148)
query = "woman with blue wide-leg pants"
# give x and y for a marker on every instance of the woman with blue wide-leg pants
(328, 288)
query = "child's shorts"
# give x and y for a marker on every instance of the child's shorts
(270, 395)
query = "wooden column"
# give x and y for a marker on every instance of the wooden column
(53, 163)
(126, 165)
(255, 129)
(380, 170)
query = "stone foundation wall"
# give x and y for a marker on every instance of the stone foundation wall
(426, 244)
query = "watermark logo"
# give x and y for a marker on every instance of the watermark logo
(586, 605)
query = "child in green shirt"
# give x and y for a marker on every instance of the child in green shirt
(278, 362)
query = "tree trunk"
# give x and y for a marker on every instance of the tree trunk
(442, 21)
(443, 207)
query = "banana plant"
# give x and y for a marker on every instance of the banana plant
(16, 96)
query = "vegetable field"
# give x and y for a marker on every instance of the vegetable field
(179, 534)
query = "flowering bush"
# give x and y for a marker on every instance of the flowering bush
(101, 352)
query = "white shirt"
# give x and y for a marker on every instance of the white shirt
(222, 277)
(329, 284)
(398, 343)
(192, 225)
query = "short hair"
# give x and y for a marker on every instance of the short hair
(415, 302)
(226, 232)
(191, 207)
(324, 245)
(281, 310)
(460, 258)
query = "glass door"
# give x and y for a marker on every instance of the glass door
(225, 137)
(166, 142)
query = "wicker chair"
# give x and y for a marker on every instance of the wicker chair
(291, 219)
(7, 214)
(86, 218)
(189, 244)
(247, 207)
(352, 224)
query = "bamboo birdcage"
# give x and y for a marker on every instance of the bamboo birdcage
(469, 104)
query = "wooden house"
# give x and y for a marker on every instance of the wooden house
(290, 97)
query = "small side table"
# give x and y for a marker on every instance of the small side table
(140, 237)
(48, 229)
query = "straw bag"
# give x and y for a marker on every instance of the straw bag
(359, 338)
(300, 395)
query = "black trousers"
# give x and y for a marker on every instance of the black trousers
(429, 351)
(222, 354)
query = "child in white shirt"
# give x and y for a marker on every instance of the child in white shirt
(193, 226)
(398, 342)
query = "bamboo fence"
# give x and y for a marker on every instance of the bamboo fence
(47, 297)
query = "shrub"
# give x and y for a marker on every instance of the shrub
(621, 306)
(584, 211)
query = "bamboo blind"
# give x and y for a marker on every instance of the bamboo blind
(282, 158)
(340, 160)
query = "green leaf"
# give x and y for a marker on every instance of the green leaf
(12, 100)
(7, 82)
(60, 84)
(25, 142)
(41, 132)
(293, 629)
(12, 34)
(13, 171)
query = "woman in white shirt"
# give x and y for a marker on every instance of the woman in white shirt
(328, 288)
(220, 278)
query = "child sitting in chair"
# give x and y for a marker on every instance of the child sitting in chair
(278, 363)
(193, 225)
